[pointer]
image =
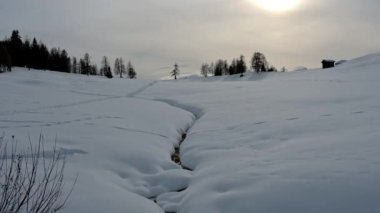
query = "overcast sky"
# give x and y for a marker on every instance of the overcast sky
(154, 34)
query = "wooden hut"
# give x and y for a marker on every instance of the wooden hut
(328, 64)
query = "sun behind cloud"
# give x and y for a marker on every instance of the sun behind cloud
(277, 6)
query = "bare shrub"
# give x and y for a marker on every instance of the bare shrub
(31, 181)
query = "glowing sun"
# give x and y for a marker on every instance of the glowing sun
(277, 5)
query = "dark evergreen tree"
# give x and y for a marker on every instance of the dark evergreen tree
(109, 73)
(105, 66)
(131, 70)
(43, 57)
(93, 69)
(233, 67)
(82, 67)
(64, 62)
(5, 59)
(85, 64)
(15, 49)
(74, 68)
(241, 67)
(221, 67)
(272, 69)
(54, 59)
(34, 54)
(27, 53)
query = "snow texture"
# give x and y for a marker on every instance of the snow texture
(305, 141)
(120, 146)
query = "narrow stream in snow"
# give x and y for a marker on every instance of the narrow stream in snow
(176, 155)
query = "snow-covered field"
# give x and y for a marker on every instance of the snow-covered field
(282, 142)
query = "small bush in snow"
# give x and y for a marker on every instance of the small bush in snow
(31, 181)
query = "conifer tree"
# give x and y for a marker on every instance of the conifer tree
(86, 64)
(221, 67)
(15, 49)
(105, 65)
(272, 69)
(43, 57)
(175, 72)
(93, 69)
(64, 62)
(233, 67)
(109, 74)
(74, 68)
(34, 53)
(27, 53)
(131, 70)
(82, 67)
(5, 59)
(241, 67)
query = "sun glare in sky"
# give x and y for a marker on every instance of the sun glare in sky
(277, 5)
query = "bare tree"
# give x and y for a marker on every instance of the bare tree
(105, 65)
(119, 67)
(31, 181)
(205, 70)
(259, 62)
(175, 72)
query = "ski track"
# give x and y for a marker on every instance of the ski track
(54, 123)
(59, 106)
(176, 154)
(140, 131)
(101, 98)
(196, 113)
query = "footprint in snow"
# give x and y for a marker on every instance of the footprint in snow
(358, 112)
(258, 123)
(326, 115)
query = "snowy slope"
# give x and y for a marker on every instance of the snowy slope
(297, 142)
(119, 146)
(290, 142)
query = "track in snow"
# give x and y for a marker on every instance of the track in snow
(100, 98)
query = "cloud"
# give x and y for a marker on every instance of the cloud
(155, 34)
